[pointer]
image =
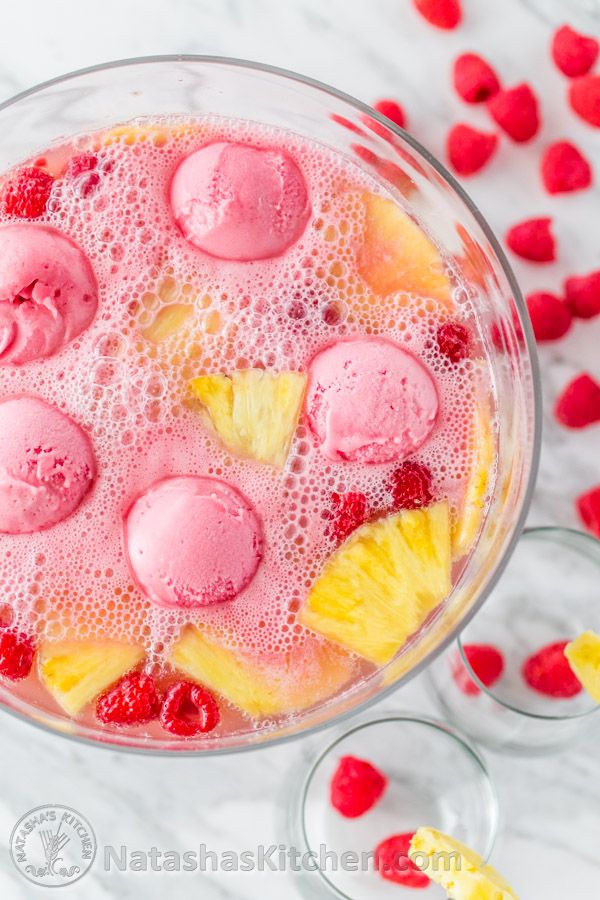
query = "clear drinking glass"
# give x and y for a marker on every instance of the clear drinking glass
(103, 96)
(435, 778)
(550, 592)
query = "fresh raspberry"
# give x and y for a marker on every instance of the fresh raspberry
(446, 14)
(533, 239)
(486, 661)
(474, 78)
(454, 341)
(588, 507)
(550, 316)
(134, 700)
(80, 165)
(579, 404)
(392, 111)
(584, 97)
(573, 53)
(17, 651)
(189, 709)
(356, 786)
(26, 194)
(516, 111)
(411, 486)
(565, 169)
(548, 672)
(350, 510)
(582, 293)
(469, 149)
(393, 862)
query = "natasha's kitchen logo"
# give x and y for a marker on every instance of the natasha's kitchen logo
(53, 845)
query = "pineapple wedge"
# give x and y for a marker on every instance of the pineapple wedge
(76, 672)
(304, 676)
(584, 658)
(168, 321)
(158, 135)
(460, 871)
(466, 529)
(254, 412)
(380, 586)
(396, 255)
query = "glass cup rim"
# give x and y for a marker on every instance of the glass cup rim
(436, 725)
(543, 532)
(530, 347)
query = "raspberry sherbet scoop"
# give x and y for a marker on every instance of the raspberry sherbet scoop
(370, 401)
(193, 541)
(240, 202)
(46, 465)
(48, 293)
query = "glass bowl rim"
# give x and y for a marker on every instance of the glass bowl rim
(552, 533)
(436, 725)
(530, 347)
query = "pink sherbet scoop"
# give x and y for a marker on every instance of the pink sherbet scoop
(48, 293)
(193, 541)
(46, 465)
(370, 401)
(240, 202)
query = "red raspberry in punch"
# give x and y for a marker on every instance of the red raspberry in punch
(134, 700)
(584, 97)
(588, 507)
(349, 511)
(573, 53)
(188, 710)
(565, 168)
(533, 240)
(474, 79)
(579, 404)
(550, 316)
(469, 149)
(356, 786)
(445, 14)
(392, 111)
(26, 194)
(582, 293)
(548, 672)
(487, 663)
(516, 111)
(454, 341)
(393, 862)
(411, 486)
(78, 166)
(82, 162)
(17, 651)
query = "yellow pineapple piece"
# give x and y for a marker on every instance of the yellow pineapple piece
(168, 321)
(460, 871)
(263, 685)
(396, 255)
(254, 412)
(76, 672)
(132, 134)
(467, 527)
(584, 658)
(380, 586)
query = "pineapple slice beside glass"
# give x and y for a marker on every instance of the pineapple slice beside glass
(583, 655)
(460, 871)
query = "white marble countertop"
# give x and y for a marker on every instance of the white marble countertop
(550, 841)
